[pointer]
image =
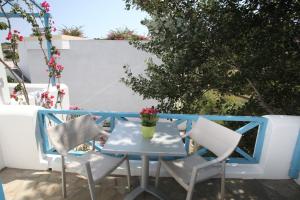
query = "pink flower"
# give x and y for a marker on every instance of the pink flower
(46, 6)
(13, 96)
(74, 108)
(9, 36)
(151, 111)
(52, 62)
(21, 38)
(59, 67)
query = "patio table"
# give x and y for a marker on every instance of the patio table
(127, 138)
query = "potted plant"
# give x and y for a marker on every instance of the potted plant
(149, 117)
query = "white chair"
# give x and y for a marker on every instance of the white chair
(192, 169)
(93, 165)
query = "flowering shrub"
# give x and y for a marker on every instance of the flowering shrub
(25, 10)
(125, 34)
(149, 116)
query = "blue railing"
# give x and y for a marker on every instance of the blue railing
(54, 116)
(295, 164)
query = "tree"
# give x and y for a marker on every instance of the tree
(72, 31)
(249, 49)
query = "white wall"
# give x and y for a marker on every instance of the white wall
(18, 137)
(282, 133)
(93, 69)
(1, 159)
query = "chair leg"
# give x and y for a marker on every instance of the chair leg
(157, 172)
(191, 185)
(128, 174)
(90, 181)
(223, 180)
(63, 177)
(190, 192)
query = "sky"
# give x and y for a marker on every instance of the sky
(97, 17)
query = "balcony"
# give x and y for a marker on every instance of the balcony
(256, 174)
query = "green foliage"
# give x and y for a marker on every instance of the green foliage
(10, 79)
(247, 49)
(3, 26)
(213, 102)
(72, 31)
(124, 34)
(8, 52)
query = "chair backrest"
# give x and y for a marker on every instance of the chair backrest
(70, 134)
(218, 139)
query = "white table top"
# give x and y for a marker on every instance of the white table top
(127, 138)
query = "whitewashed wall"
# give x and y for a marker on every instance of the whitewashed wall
(1, 159)
(18, 137)
(93, 69)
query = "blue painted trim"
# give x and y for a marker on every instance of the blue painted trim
(189, 126)
(98, 121)
(179, 121)
(179, 118)
(202, 151)
(260, 138)
(295, 164)
(244, 154)
(54, 118)
(112, 123)
(42, 125)
(49, 45)
(37, 5)
(2, 197)
(247, 127)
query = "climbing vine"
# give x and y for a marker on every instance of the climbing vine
(35, 15)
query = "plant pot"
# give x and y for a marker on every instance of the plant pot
(148, 131)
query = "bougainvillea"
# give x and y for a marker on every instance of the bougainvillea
(54, 70)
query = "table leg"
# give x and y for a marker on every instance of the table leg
(145, 171)
(144, 187)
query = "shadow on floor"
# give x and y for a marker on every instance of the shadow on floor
(43, 185)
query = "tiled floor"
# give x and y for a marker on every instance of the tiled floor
(42, 185)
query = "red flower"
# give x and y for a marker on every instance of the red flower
(21, 38)
(51, 62)
(74, 108)
(151, 111)
(61, 92)
(46, 6)
(9, 36)
(13, 96)
(59, 67)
